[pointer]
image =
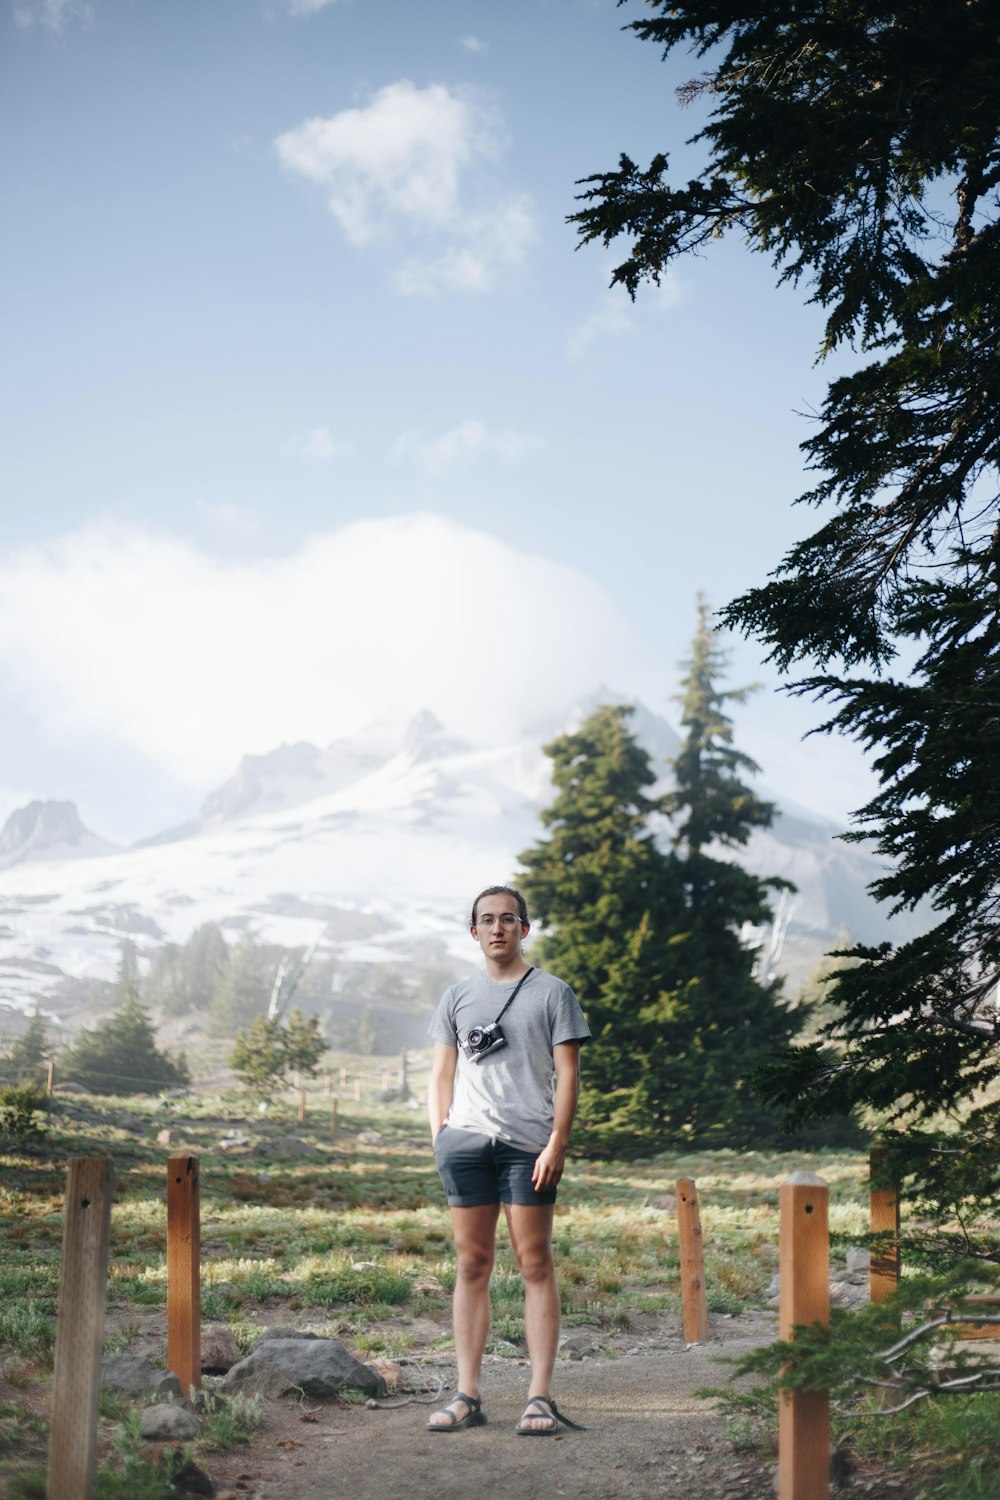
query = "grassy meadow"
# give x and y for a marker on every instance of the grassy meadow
(349, 1236)
(353, 1232)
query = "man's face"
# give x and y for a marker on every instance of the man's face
(498, 936)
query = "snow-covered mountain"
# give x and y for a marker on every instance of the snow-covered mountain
(369, 849)
(47, 830)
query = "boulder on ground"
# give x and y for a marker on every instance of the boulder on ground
(219, 1349)
(168, 1423)
(285, 1146)
(135, 1375)
(279, 1331)
(316, 1367)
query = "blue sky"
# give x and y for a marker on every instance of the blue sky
(302, 366)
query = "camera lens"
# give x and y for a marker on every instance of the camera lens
(476, 1036)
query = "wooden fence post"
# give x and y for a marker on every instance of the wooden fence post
(804, 1416)
(693, 1304)
(184, 1269)
(883, 1275)
(343, 1079)
(76, 1382)
(302, 1104)
(333, 1119)
(50, 1082)
(357, 1089)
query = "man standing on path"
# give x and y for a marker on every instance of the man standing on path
(500, 1131)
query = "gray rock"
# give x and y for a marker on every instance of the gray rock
(130, 1375)
(317, 1367)
(281, 1332)
(577, 1346)
(846, 1294)
(282, 1146)
(665, 1202)
(219, 1349)
(168, 1423)
(859, 1262)
(232, 1142)
(169, 1385)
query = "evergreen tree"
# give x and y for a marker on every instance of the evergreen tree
(121, 1056)
(859, 146)
(836, 140)
(29, 1055)
(244, 987)
(257, 1057)
(612, 906)
(726, 1020)
(302, 1044)
(267, 1052)
(185, 978)
(598, 870)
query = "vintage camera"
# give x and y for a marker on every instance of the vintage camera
(482, 1040)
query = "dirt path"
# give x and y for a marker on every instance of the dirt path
(647, 1436)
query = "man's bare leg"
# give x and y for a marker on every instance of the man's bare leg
(475, 1232)
(531, 1237)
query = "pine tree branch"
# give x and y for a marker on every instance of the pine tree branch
(982, 1380)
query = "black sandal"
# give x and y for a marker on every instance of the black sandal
(547, 1408)
(473, 1417)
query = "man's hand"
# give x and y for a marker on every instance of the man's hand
(549, 1167)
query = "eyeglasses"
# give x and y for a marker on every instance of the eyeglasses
(506, 919)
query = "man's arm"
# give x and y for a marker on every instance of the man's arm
(549, 1166)
(442, 1085)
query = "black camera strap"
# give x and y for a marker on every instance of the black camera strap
(513, 997)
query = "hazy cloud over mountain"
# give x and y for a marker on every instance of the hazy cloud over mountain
(138, 638)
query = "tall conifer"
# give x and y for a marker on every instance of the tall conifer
(727, 1019)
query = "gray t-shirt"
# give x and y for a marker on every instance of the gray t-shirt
(509, 1093)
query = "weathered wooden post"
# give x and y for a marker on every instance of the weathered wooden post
(693, 1303)
(302, 1104)
(333, 1119)
(883, 1275)
(184, 1269)
(357, 1089)
(50, 1082)
(804, 1416)
(76, 1382)
(343, 1079)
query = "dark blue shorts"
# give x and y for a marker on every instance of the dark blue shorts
(479, 1169)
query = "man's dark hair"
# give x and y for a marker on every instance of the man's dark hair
(501, 890)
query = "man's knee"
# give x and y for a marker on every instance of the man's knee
(475, 1263)
(536, 1264)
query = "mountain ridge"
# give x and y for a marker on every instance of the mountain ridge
(369, 849)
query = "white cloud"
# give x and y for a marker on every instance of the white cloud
(468, 441)
(53, 15)
(140, 640)
(318, 446)
(472, 43)
(615, 315)
(612, 317)
(414, 162)
(493, 241)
